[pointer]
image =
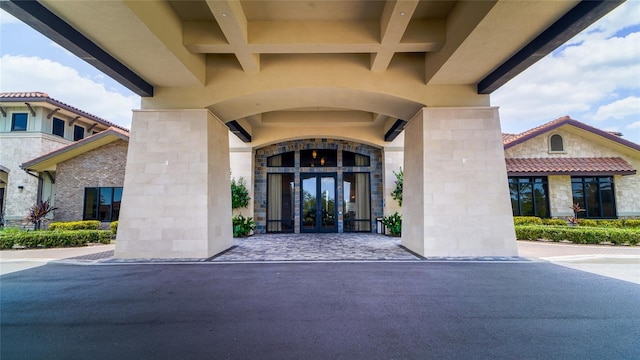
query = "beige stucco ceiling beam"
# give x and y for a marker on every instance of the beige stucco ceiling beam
(460, 23)
(393, 24)
(295, 37)
(233, 23)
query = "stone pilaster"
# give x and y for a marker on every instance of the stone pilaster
(176, 199)
(456, 200)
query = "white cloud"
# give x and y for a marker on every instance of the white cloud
(67, 85)
(635, 125)
(596, 78)
(620, 109)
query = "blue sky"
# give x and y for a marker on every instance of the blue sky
(594, 78)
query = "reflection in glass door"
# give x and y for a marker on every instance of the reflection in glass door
(318, 203)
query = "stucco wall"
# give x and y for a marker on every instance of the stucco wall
(102, 167)
(15, 149)
(627, 188)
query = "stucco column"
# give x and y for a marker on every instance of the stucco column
(176, 200)
(456, 199)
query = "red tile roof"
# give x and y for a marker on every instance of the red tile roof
(509, 140)
(569, 166)
(44, 97)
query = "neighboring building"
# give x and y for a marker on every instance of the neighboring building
(566, 162)
(33, 124)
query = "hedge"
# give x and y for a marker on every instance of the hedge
(114, 228)
(612, 223)
(527, 220)
(75, 225)
(578, 235)
(47, 239)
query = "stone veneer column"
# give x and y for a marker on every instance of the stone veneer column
(176, 198)
(456, 200)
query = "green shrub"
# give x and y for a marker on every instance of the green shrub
(114, 228)
(527, 220)
(239, 194)
(393, 223)
(554, 222)
(578, 235)
(242, 226)
(75, 225)
(587, 222)
(631, 223)
(49, 239)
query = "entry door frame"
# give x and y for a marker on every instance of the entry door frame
(318, 228)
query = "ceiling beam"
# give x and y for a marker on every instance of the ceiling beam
(33, 112)
(44, 21)
(573, 22)
(52, 112)
(233, 22)
(393, 24)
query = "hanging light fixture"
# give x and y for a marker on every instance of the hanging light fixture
(322, 161)
(314, 154)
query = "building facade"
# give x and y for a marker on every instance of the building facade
(31, 125)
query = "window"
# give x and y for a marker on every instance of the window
(102, 203)
(529, 196)
(357, 202)
(352, 159)
(318, 158)
(283, 160)
(595, 195)
(78, 133)
(58, 127)
(280, 203)
(556, 143)
(19, 122)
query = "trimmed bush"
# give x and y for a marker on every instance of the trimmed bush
(48, 239)
(631, 223)
(587, 222)
(578, 235)
(527, 220)
(114, 228)
(75, 225)
(554, 222)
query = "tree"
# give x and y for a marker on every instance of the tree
(396, 194)
(239, 194)
(38, 212)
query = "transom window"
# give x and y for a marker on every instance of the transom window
(58, 127)
(595, 194)
(19, 122)
(102, 203)
(352, 159)
(319, 158)
(529, 196)
(282, 160)
(556, 143)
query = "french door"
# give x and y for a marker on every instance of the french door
(318, 200)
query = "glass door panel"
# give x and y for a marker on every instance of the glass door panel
(318, 203)
(309, 196)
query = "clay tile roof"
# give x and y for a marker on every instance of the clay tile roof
(569, 166)
(509, 141)
(44, 97)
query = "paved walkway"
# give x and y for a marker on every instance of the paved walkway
(620, 262)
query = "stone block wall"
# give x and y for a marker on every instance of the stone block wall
(102, 167)
(261, 171)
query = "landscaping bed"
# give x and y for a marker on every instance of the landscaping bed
(59, 235)
(585, 231)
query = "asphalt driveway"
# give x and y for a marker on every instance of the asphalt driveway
(367, 310)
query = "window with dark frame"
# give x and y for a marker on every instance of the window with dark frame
(78, 133)
(594, 194)
(319, 158)
(352, 159)
(529, 196)
(102, 203)
(282, 160)
(57, 127)
(19, 121)
(556, 143)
